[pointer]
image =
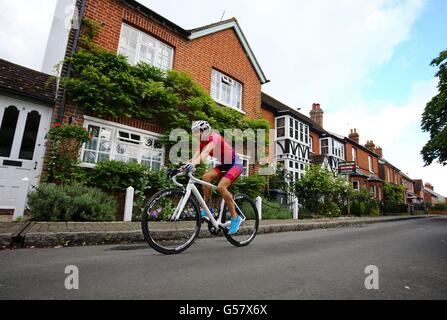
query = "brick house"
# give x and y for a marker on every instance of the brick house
(217, 56)
(408, 183)
(367, 160)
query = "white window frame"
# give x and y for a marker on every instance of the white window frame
(335, 148)
(115, 128)
(370, 164)
(358, 185)
(373, 191)
(218, 80)
(159, 45)
(245, 164)
(282, 127)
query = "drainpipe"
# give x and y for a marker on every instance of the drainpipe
(73, 51)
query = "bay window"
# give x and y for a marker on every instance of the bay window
(332, 147)
(115, 142)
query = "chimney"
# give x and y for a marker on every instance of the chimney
(370, 146)
(379, 151)
(429, 186)
(354, 136)
(317, 114)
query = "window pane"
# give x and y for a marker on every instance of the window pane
(105, 146)
(215, 88)
(147, 49)
(30, 136)
(156, 166)
(280, 123)
(7, 130)
(226, 94)
(103, 157)
(163, 56)
(129, 38)
(94, 130)
(281, 133)
(92, 144)
(89, 157)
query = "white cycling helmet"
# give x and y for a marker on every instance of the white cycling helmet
(203, 126)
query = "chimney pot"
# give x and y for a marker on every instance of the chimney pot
(317, 114)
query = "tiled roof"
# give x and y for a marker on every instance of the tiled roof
(278, 106)
(18, 80)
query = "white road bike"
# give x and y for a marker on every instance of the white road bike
(172, 218)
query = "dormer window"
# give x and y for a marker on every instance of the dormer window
(226, 91)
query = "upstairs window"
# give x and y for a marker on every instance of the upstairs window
(333, 148)
(280, 127)
(138, 47)
(370, 164)
(325, 146)
(354, 155)
(226, 90)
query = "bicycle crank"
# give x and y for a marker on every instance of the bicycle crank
(214, 231)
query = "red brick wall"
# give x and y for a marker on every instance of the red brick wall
(269, 116)
(221, 50)
(315, 142)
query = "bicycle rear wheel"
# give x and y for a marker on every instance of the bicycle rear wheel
(245, 206)
(170, 236)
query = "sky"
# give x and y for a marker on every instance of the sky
(366, 62)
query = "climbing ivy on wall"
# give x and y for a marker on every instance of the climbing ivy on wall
(108, 85)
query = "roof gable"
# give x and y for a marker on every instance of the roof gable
(225, 25)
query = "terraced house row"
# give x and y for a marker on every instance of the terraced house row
(217, 56)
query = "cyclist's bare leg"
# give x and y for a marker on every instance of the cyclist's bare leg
(222, 188)
(209, 177)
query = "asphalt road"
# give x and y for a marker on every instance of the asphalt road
(324, 264)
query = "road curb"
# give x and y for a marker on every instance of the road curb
(51, 239)
(5, 239)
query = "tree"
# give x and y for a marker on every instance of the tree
(434, 119)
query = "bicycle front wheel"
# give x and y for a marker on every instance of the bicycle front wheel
(165, 233)
(246, 209)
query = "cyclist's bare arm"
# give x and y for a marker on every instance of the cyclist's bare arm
(200, 157)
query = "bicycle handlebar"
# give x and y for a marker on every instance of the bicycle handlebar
(176, 173)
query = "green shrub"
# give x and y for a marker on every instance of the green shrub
(321, 193)
(118, 176)
(271, 210)
(393, 193)
(253, 186)
(363, 203)
(50, 202)
(440, 206)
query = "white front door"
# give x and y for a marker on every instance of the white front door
(23, 127)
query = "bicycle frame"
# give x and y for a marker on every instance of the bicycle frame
(192, 189)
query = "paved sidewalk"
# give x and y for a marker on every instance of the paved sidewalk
(50, 234)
